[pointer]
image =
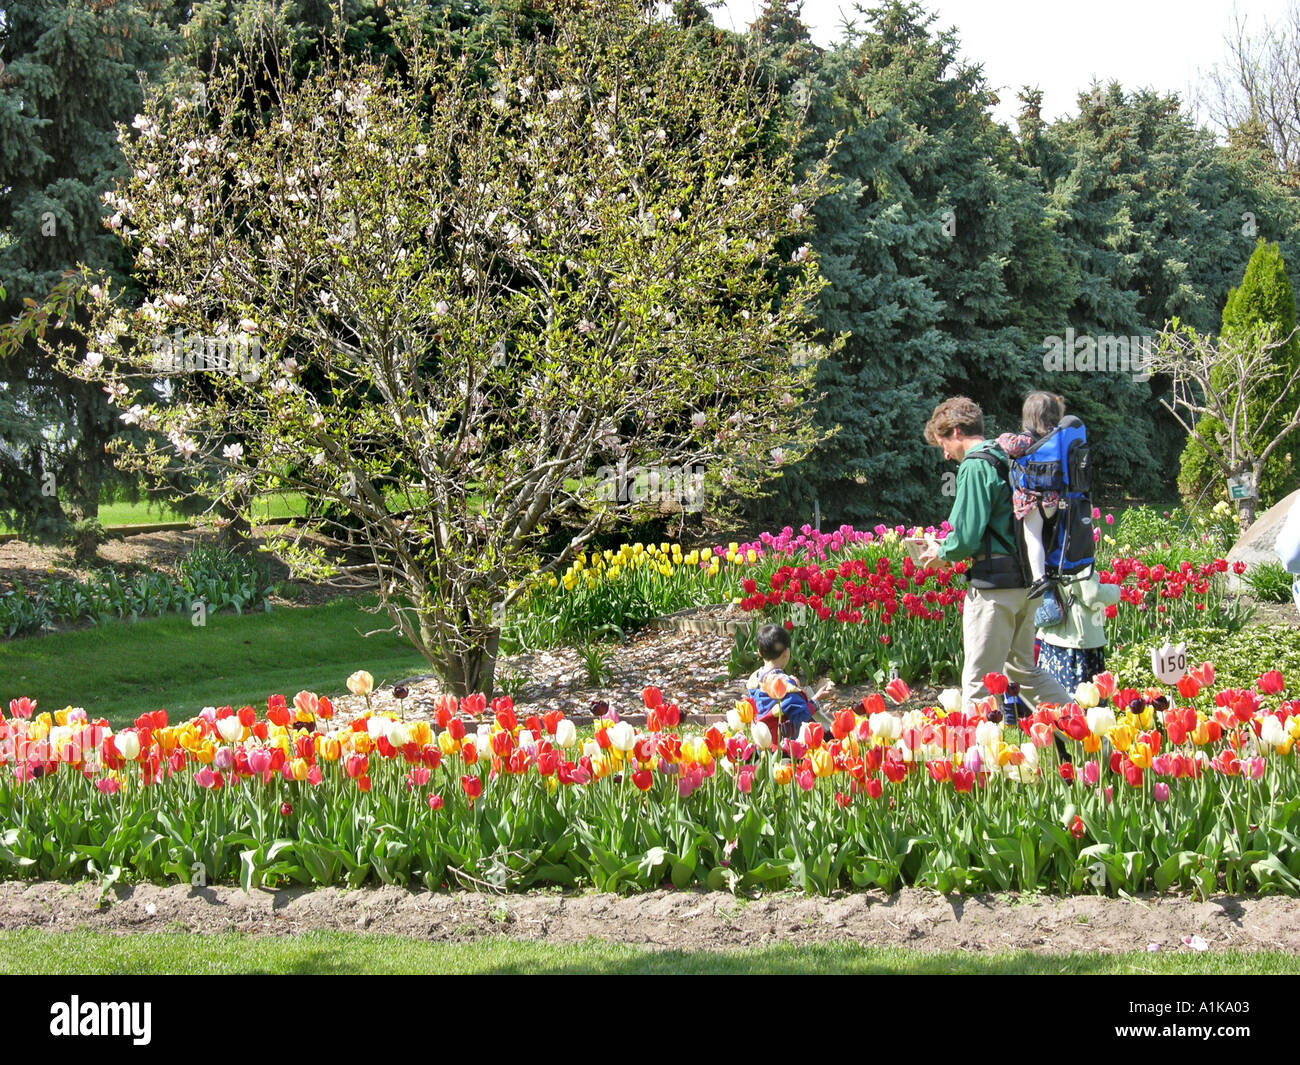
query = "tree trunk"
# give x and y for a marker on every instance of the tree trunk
(470, 671)
(236, 534)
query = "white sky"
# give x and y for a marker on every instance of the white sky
(1060, 46)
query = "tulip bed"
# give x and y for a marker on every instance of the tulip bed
(1187, 787)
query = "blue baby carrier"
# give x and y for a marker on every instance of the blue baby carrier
(1059, 463)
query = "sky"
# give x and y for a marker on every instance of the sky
(1061, 47)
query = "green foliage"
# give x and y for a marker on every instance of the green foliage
(220, 579)
(1261, 308)
(1269, 582)
(1238, 657)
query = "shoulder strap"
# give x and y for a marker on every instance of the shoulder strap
(1003, 467)
(1004, 474)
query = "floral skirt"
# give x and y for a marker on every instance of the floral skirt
(1072, 666)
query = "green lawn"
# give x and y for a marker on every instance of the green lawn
(120, 669)
(34, 951)
(287, 505)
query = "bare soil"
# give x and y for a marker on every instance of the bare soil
(685, 920)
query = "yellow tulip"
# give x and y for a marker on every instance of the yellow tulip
(1140, 755)
(745, 710)
(822, 764)
(1121, 737)
(751, 557)
(299, 768)
(448, 744)
(362, 743)
(783, 773)
(330, 750)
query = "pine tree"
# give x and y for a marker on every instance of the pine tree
(71, 73)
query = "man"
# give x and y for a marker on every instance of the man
(998, 616)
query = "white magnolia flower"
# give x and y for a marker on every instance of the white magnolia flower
(93, 359)
(232, 452)
(697, 419)
(798, 211)
(728, 181)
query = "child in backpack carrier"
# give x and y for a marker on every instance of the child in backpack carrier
(1041, 414)
(779, 698)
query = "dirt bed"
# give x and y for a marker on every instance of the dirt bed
(675, 920)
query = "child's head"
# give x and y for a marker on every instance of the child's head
(774, 644)
(1042, 412)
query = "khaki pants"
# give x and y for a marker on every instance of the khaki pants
(998, 637)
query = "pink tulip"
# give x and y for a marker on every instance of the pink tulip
(1091, 773)
(1160, 792)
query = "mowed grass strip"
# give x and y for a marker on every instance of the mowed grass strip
(34, 951)
(121, 669)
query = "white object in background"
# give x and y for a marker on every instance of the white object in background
(1169, 663)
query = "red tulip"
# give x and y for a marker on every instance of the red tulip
(473, 787)
(652, 697)
(843, 724)
(356, 765)
(643, 779)
(1271, 683)
(1076, 827)
(995, 683)
(1066, 770)
(1189, 687)
(963, 780)
(435, 802)
(898, 690)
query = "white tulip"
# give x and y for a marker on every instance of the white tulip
(128, 744)
(886, 726)
(761, 735)
(1271, 731)
(1087, 695)
(378, 726)
(950, 699)
(1101, 719)
(566, 734)
(591, 749)
(987, 734)
(622, 736)
(398, 735)
(230, 727)
(733, 720)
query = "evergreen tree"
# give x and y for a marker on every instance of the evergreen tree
(71, 73)
(918, 245)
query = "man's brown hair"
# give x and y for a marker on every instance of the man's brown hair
(960, 414)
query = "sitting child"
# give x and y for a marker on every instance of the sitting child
(1041, 414)
(779, 698)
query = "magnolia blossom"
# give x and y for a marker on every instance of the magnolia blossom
(232, 452)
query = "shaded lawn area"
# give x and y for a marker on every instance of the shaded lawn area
(121, 669)
(34, 951)
(286, 505)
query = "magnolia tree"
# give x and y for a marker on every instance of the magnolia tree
(1219, 382)
(456, 312)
